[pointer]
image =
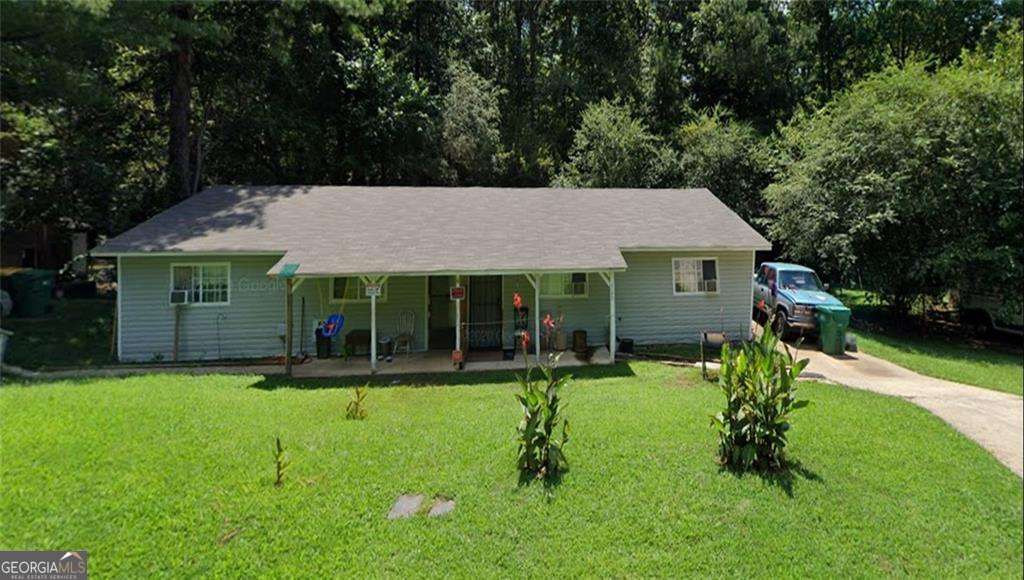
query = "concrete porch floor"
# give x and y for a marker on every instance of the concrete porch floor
(434, 361)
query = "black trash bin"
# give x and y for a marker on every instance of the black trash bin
(323, 344)
(32, 291)
(626, 345)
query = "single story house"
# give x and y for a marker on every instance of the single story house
(248, 271)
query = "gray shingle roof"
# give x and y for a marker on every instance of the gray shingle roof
(404, 230)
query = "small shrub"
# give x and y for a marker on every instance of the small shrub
(355, 409)
(281, 462)
(759, 382)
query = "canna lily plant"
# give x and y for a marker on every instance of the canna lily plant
(540, 453)
(759, 384)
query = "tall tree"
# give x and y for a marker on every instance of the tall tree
(746, 59)
(613, 148)
(179, 173)
(911, 180)
(724, 155)
(470, 120)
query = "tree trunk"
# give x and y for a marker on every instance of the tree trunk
(178, 169)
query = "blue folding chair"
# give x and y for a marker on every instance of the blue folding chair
(332, 325)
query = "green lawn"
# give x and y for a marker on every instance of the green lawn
(77, 333)
(173, 475)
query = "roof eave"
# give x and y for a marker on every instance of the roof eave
(102, 253)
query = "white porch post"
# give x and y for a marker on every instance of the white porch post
(373, 333)
(535, 282)
(288, 322)
(458, 317)
(373, 319)
(609, 279)
(611, 323)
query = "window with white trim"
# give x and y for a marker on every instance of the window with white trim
(200, 283)
(565, 285)
(695, 275)
(353, 289)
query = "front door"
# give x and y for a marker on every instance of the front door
(485, 312)
(442, 327)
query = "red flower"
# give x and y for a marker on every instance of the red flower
(517, 300)
(549, 322)
(525, 338)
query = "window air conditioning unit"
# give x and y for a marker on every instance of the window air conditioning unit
(179, 296)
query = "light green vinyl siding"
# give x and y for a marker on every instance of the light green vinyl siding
(647, 308)
(650, 312)
(251, 324)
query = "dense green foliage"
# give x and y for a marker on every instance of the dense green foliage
(724, 155)
(469, 128)
(759, 383)
(172, 475)
(113, 110)
(910, 182)
(615, 149)
(409, 92)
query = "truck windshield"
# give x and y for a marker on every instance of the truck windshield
(797, 280)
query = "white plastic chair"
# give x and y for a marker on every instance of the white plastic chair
(406, 330)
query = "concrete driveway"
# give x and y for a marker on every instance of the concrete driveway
(995, 420)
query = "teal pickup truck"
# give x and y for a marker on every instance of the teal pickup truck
(791, 293)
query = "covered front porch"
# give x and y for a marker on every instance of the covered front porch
(426, 309)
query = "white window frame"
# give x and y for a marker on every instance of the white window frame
(701, 259)
(586, 292)
(198, 266)
(362, 295)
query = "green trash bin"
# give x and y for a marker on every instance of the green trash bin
(832, 323)
(31, 291)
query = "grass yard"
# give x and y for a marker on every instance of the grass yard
(76, 333)
(173, 475)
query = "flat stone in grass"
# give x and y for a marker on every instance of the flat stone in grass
(405, 506)
(441, 507)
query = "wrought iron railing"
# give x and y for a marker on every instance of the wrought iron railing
(484, 334)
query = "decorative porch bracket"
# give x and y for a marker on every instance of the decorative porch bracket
(373, 318)
(534, 280)
(609, 279)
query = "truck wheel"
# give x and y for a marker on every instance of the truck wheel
(781, 324)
